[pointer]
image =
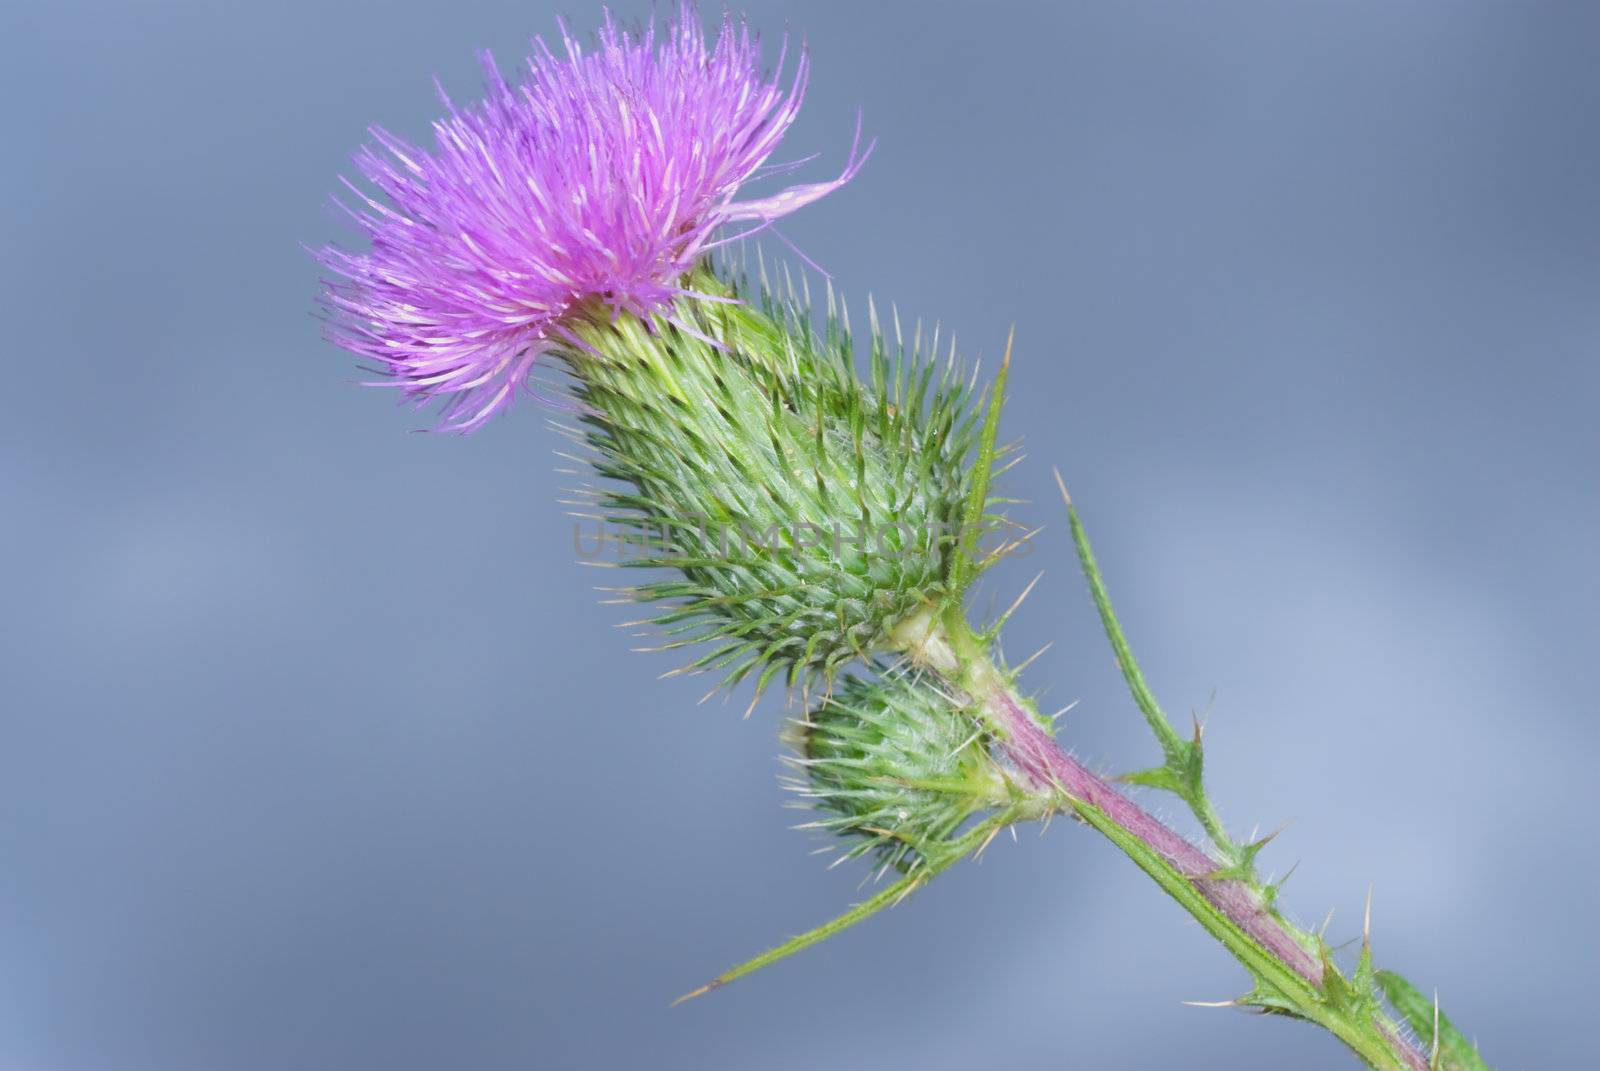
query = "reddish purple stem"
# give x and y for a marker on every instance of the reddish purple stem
(1041, 759)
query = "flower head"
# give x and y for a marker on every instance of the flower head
(601, 175)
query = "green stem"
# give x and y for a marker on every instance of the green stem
(1290, 977)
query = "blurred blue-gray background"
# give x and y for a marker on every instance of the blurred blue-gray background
(318, 751)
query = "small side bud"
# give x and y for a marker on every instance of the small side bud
(896, 768)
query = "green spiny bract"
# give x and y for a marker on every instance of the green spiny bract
(805, 511)
(896, 766)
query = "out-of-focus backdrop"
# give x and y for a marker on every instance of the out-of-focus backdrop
(319, 751)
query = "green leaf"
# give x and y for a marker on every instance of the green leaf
(1160, 777)
(890, 896)
(936, 862)
(1185, 758)
(1455, 1052)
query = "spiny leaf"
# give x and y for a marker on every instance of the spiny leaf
(888, 897)
(1337, 990)
(1185, 758)
(962, 567)
(937, 862)
(1454, 1052)
(1160, 777)
(1270, 1000)
(1365, 976)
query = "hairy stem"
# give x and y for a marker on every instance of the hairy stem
(1291, 976)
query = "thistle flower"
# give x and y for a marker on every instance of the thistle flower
(601, 175)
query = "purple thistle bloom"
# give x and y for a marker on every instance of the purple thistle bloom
(601, 175)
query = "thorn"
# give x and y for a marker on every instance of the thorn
(1064, 710)
(1433, 1058)
(910, 888)
(1366, 923)
(1001, 551)
(1211, 1003)
(1323, 929)
(1025, 593)
(1005, 362)
(1026, 662)
(1063, 485)
(702, 991)
(1256, 846)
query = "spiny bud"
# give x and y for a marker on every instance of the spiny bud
(806, 512)
(896, 766)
